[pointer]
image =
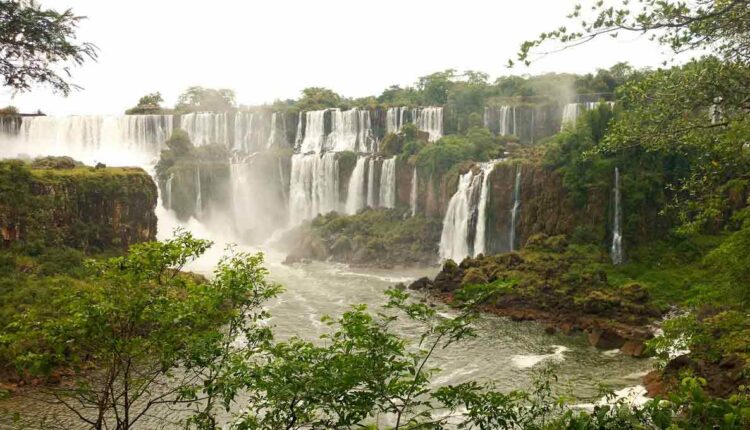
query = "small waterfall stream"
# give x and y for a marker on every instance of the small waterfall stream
(413, 193)
(371, 196)
(198, 192)
(356, 192)
(314, 187)
(516, 206)
(388, 183)
(616, 250)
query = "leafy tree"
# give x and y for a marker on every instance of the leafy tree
(316, 98)
(434, 87)
(39, 46)
(199, 99)
(150, 103)
(138, 319)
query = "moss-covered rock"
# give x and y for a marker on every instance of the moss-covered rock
(76, 206)
(373, 237)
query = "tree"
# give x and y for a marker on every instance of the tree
(316, 98)
(39, 46)
(148, 104)
(720, 26)
(199, 99)
(698, 111)
(141, 333)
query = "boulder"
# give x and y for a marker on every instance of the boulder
(605, 338)
(421, 284)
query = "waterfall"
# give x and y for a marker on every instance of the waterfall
(198, 192)
(514, 209)
(350, 131)
(168, 192)
(277, 138)
(395, 118)
(413, 194)
(355, 196)
(388, 183)
(206, 128)
(466, 211)
(313, 188)
(371, 196)
(314, 135)
(507, 121)
(430, 120)
(480, 236)
(616, 251)
(116, 140)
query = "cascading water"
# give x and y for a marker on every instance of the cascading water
(388, 183)
(314, 135)
(413, 193)
(514, 210)
(115, 140)
(198, 192)
(480, 237)
(313, 188)
(168, 192)
(616, 250)
(572, 111)
(466, 212)
(371, 196)
(356, 192)
(350, 131)
(206, 128)
(430, 120)
(277, 137)
(507, 121)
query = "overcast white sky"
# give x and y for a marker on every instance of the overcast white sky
(268, 50)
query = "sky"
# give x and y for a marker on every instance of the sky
(268, 50)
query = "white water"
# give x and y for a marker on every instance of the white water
(413, 193)
(113, 140)
(313, 187)
(468, 203)
(198, 193)
(515, 209)
(616, 250)
(206, 128)
(480, 237)
(356, 192)
(351, 130)
(371, 196)
(428, 119)
(388, 183)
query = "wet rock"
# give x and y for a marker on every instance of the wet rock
(550, 329)
(474, 276)
(421, 284)
(634, 348)
(605, 338)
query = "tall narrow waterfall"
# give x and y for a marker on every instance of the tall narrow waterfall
(356, 192)
(616, 251)
(313, 187)
(168, 192)
(507, 121)
(198, 192)
(480, 236)
(388, 183)
(465, 214)
(206, 128)
(514, 210)
(371, 196)
(413, 193)
(115, 140)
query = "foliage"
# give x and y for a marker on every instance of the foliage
(719, 26)
(478, 145)
(55, 162)
(199, 99)
(316, 98)
(138, 318)
(9, 110)
(148, 104)
(39, 46)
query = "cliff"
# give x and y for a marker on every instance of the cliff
(81, 207)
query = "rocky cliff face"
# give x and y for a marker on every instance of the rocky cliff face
(85, 208)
